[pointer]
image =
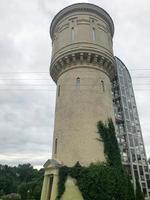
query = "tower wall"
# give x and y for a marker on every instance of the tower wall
(78, 109)
(82, 67)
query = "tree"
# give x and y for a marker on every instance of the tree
(23, 180)
(8, 179)
(25, 172)
(23, 190)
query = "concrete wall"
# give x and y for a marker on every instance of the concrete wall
(78, 109)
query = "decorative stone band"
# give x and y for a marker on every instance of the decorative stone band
(82, 60)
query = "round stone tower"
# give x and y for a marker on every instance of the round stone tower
(82, 66)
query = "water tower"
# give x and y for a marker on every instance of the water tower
(82, 66)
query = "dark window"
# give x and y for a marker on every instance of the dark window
(50, 186)
(148, 183)
(93, 34)
(103, 86)
(78, 82)
(55, 145)
(145, 192)
(140, 168)
(72, 34)
(58, 92)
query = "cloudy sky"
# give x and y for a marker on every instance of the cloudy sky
(27, 93)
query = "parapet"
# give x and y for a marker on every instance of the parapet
(83, 7)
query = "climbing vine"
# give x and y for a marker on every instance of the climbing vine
(107, 133)
(63, 173)
(101, 181)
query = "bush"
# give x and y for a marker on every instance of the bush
(12, 196)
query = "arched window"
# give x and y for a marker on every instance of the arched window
(58, 91)
(103, 86)
(93, 34)
(55, 146)
(78, 82)
(72, 34)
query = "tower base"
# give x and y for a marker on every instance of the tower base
(50, 184)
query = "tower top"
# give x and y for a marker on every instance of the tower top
(82, 37)
(84, 7)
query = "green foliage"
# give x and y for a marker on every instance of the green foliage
(25, 172)
(63, 173)
(37, 191)
(101, 181)
(23, 180)
(12, 196)
(111, 149)
(139, 194)
(22, 190)
(8, 179)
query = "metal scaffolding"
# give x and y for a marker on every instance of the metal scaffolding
(129, 134)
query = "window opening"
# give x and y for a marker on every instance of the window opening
(103, 86)
(72, 34)
(93, 34)
(58, 91)
(55, 145)
(77, 82)
(50, 186)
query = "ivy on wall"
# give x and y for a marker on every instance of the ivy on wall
(63, 173)
(101, 181)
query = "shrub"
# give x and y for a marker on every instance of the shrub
(12, 196)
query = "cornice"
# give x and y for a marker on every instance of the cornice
(82, 59)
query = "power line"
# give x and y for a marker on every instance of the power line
(54, 85)
(139, 69)
(38, 89)
(140, 77)
(32, 79)
(25, 89)
(17, 72)
(47, 72)
(9, 84)
(41, 79)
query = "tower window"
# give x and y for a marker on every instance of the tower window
(55, 146)
(72, 34)
(50, 186)
(58, 91)
(93, 34)
(78, 82)
(103, 86)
